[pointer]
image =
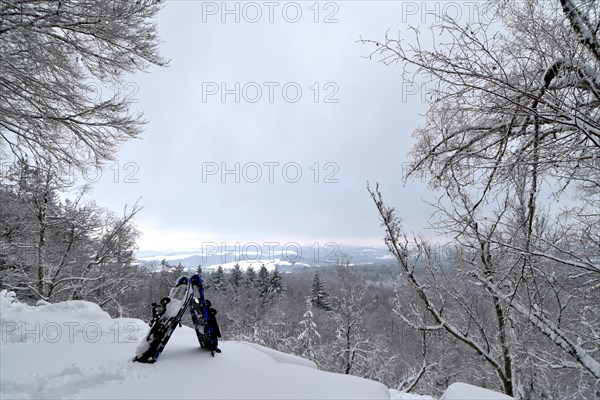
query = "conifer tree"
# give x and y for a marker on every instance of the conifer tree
(165, 276)
(178, 270)
(319, 297)
(276, 284)
(217, 279)
(309, 334)
(250, 277)
(235, 278)
(263, 282)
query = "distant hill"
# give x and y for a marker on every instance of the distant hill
(287, 257)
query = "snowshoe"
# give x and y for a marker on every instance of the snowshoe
(168, 316)
(201, 317)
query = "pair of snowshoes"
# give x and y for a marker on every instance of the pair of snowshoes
(188, 293)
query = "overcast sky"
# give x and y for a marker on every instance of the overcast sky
(285, 153)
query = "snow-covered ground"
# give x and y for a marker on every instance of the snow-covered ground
(74, 350)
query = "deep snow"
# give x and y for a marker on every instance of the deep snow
(73, 349)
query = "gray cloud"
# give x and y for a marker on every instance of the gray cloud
(364, 136)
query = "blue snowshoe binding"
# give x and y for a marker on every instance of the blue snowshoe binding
(203, 317)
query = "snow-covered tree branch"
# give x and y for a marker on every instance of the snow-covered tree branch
(63, 98)
(506, 139)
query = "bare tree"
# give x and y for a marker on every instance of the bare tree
(504, 129)
(410, 381)
(460, 319)
(350, 305)
(62, 249)
(495, 109)
(59, 60)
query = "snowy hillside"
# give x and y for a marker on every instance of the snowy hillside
(75, 350)
(287, 256)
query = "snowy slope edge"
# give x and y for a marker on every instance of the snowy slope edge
(74, 349)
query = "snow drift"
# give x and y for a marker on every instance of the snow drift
(74, 349)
